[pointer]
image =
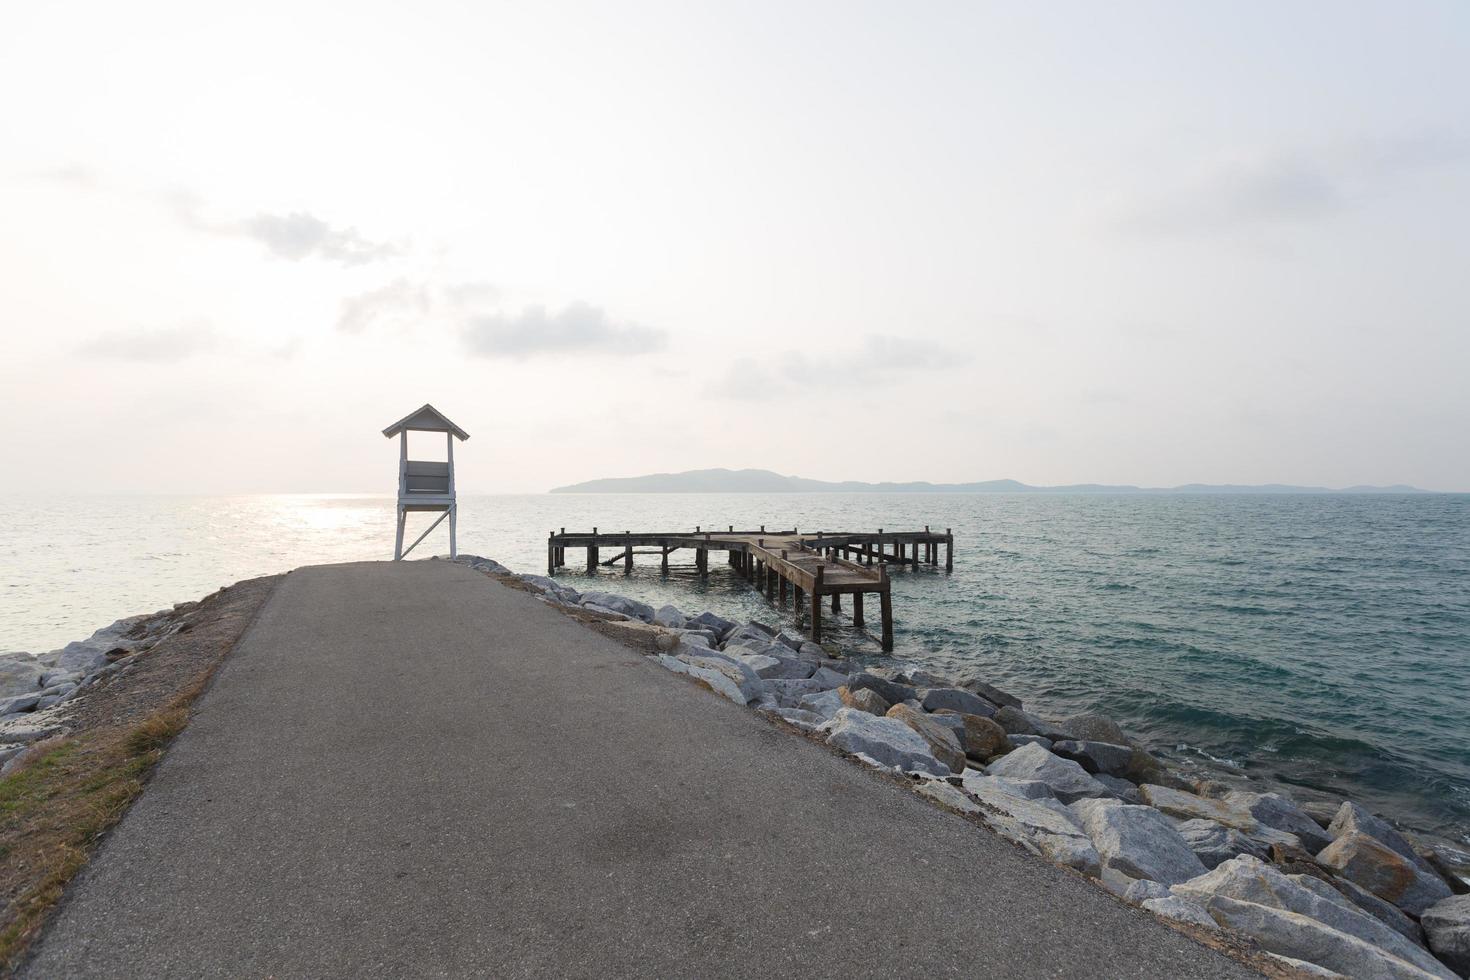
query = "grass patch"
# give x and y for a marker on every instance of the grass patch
(55, 808)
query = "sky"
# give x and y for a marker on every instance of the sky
(1143, 243)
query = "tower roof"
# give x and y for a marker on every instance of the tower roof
(426, 419)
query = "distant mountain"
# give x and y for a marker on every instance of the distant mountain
(764, 481)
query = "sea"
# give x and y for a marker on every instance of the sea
(1315, 641)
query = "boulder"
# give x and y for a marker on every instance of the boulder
(1067, 779)
(807, 721)
(1096, 757)
(1027, 789)
(827, 678)
(718, 625)
(888, 741)
(1276, 811)
(787, 668)
(1042, 826)
(994, 695)
(864, 700)
(1141, 890)
(890, 691)
(1120, 787)
(1214, 843)
(1248, 881)
(1095, 728)
(1352, 818)
(19, 703)
(824, 703)
(954, 723)
(20, 673)
(944, 794)
(983, 739)
(919, 677)
(955, 699)
(812, 651)
(1138, 841)
(631, 608)
(671, 617)
(792, 640)
(1299, 937)
(1386, 912)
(1019, 740)
(1017, 722)
(1384, 872)
(942, 742)
(1447, 926)
(734, 680)
(1180, 910)
(1189, 806)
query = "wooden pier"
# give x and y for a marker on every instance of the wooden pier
(804, 568)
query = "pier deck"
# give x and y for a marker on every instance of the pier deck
(807, 567)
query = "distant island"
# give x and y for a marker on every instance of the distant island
(764, 481)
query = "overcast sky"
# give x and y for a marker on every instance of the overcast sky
(1129, 243)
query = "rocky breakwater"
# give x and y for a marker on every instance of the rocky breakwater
(36, 689)
(1326, 892)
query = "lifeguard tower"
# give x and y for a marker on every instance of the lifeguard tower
(425, 485)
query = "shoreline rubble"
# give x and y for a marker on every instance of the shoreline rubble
(1321, 891)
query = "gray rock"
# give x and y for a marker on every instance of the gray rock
(718, 625)
(755, 661)
(808, 721)
(1018, 722)
(19, 703)
(982, 738)
(1447, 925)
(1189, 806)
(812, 651)
(792, 640)
(1276, 811)
(944, 794)
(788, 668)
(1019, 740)
(829, 679)
(1042, 826)
(748, 633)
(81, 656)
(1096, 757)
(1384, 872)
(671, 617)
(54, 677)
(919, 677)
(1386, 912)
(994, 695)
(605, 611)
(1027, 789)
(887, 740)
(1214, 843)
(1299, 937)
(956, 725)
(1096, 728)
(955, 699)
(1138, 841)
(864, 699)
(824, 703)
(1249, 881)
(20, 673)
(1120, 787)
(1352, 818)
(1180, 910)
(1142, 889)
(889, 691)
(47, 701)
(735, 681)
(1067, 779)
(942, 741)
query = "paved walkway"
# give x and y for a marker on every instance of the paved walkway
(409, 770)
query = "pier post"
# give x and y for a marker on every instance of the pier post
(817, 607)
(949, 549)
(857, 609)
(550, 553)
(628, 555)
(836, 602)
(701, 561)
(885, 608)
(664, 564)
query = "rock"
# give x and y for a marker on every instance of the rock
(1214, 843)
(1027, 789)
(671, 617)
(954, 723)
(1096, 757)
(1019, 740)
(1067, 779)
(944, 794)
(1447, 926)
(1351, 818)
(1120, 787)
(1017, 722)
(994, 695)
(827, 678)
(19, 703)
(54, 677)
(889, 691)
(788, 668)
(808, 721)
(1276, 811)
(1095, 728)
(47, 701)
(1298, 937)
(886, 740)
(824, 703)
(735, 681)
(864, 700)
(1384, 872)
(1321, 811)
(942, 742)
(80, 656)
(1139, 841)
(792, 640)
(1188, 806)
(1386, 912)
(1249, 881)
(1042, 826)
(1180, 910)
(1142, 889)
(983, 739)
(955, 699)
(20, 673)
(718, 625)
(631, 608)
(605, 611)
(812, 651)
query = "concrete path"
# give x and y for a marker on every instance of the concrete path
(410, 770)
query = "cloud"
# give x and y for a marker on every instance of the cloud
(577, 328)
(154, 345)
(300, 235)
(403, 304)
(876, 359)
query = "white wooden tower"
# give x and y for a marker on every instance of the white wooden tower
(425, 486)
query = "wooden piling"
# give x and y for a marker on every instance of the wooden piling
(817, 605)
(857, 609)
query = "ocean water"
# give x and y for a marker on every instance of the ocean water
(1319, 641)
